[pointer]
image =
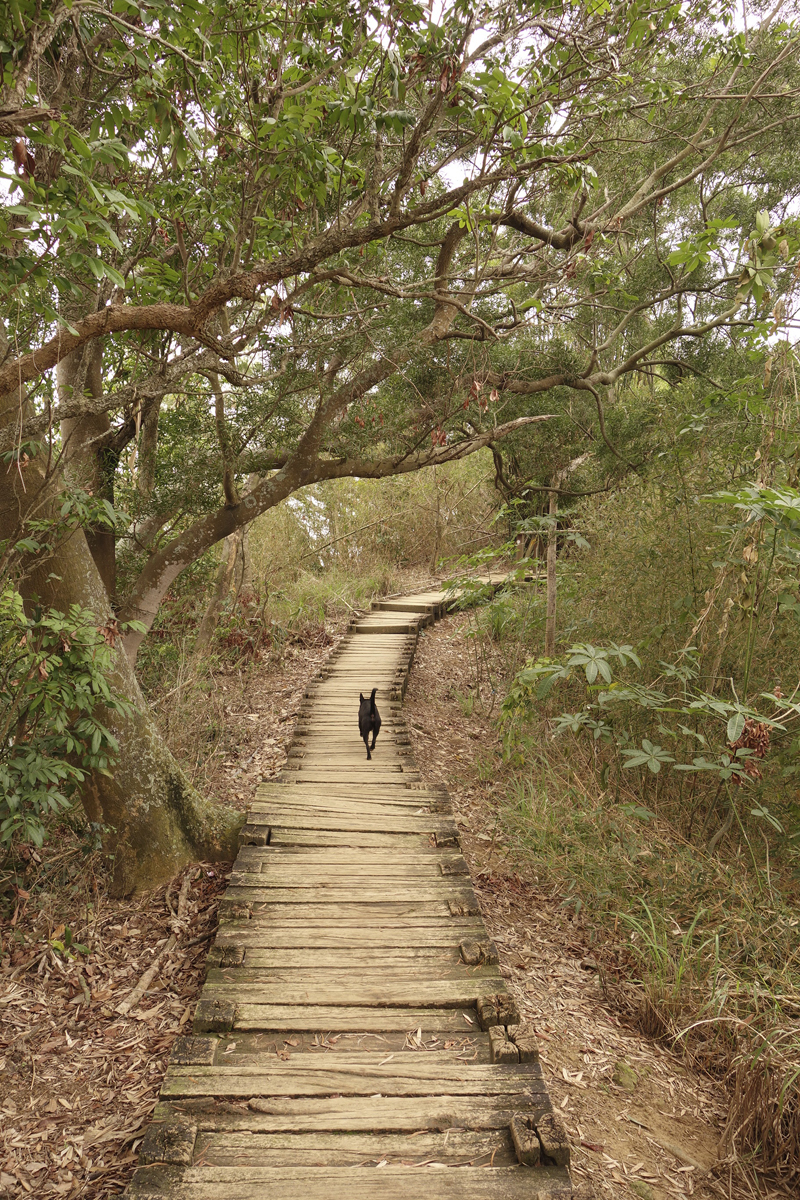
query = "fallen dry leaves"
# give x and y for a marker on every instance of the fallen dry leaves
(80, 1080)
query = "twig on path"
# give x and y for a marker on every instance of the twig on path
(204, 937)
(178, 923)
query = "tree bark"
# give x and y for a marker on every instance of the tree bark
(552, 547)
(86, 463)
(552, 552)
(155, 821)
(148, 447)
(231, 553)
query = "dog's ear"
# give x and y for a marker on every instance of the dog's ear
(361, 698)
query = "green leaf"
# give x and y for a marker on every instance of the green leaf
(636, 810)
(735, 727)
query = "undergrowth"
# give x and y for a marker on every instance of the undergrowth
(714, 941)
(658, 793)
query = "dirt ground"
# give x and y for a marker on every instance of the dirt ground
(641, 1124)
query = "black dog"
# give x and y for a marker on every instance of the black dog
(369, 721)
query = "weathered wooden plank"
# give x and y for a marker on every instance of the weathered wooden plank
(239, 1148)
(382, 962)
(350, 992)
(353, 806)
(288, 838)
(352, 759)
(298, 936)
(227, 1047)
(342, 856)
(349, 1183)
(282, 1018)
(287, 785)
(351, 893)
(380, 824)
(436, 958)
(379, 1114)
(355, 775)
(321, 1075)
(304, 876)
(298, 790)
(296, 865)
(359, 915)
(382, 976)
(422, 814)
(427, 887)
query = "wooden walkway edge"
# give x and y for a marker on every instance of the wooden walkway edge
(354, 1037)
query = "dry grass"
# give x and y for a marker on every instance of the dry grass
(578, 973)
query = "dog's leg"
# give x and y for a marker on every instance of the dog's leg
(366, 743)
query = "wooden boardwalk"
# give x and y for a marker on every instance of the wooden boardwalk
(355, 1037)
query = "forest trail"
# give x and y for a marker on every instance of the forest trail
(354, 1015)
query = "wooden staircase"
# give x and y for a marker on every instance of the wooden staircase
(355, 1038)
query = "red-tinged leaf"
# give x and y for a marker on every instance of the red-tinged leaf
(597, 1147)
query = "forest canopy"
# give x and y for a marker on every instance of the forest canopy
(249, 247)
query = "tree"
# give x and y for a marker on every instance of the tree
(317, 241)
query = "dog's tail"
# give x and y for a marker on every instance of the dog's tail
(372, 700)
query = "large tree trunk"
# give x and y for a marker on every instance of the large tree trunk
(154, 820)
(87, 463)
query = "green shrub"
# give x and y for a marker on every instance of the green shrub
(53, 680)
